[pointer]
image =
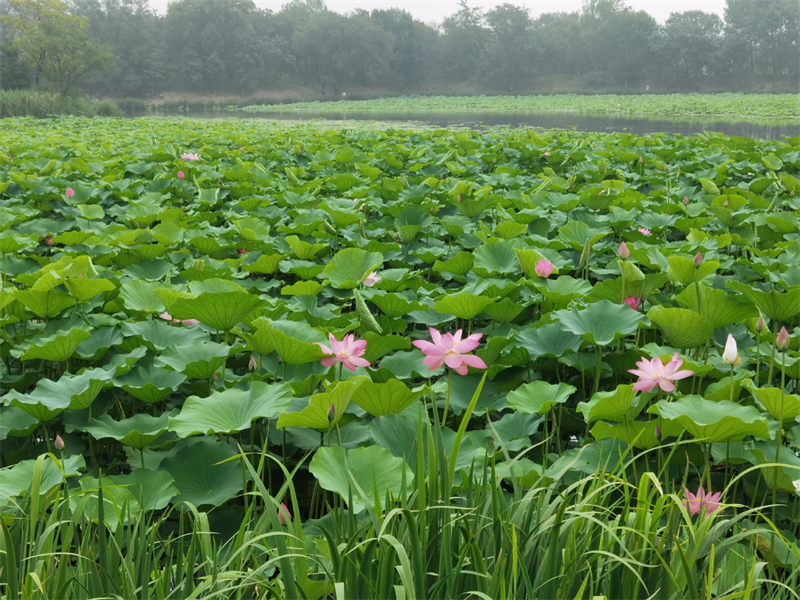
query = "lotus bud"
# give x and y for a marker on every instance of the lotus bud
(730, 356)
(284, 516)
(782, 343)
(686, 199)
(657, 433)
(623, 251)
(331, 413)
(59, 443)
(761, 325)
(252, 365)
(698, 260)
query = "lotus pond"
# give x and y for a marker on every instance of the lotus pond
(248, 359)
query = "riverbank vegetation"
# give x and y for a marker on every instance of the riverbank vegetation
(122, 49)
(245, 359)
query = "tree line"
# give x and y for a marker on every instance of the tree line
(122, 48)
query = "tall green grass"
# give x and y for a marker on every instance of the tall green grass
(34, 103)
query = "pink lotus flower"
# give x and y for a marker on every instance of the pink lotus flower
(705, 501)
(348, 352)
(168, 317)
(451, 350)
(69, 192)
(782, 341)
(190, 156)
(372, 279)
(284, 516)
(181, 175)
(633, 302)
(623, 251)
(48, 240)
(645, 231)
(544, 268)
(686, 199)
(654, 373)
(698, 260)
(242, 250)
(547, 153)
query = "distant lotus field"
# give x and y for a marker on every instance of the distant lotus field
(248, 359)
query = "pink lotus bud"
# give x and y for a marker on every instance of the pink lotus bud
(623, 251)
(58, 443)
(458, 198)
(242, 251)
(544, 268)
(69, 193)
(547, 153)
(633, 302)
(48, 240)
(641, 160)
(284, 516)
(698, 260)
(686, 199)
(252, 365)
(331, 413)
(782, 343)
(761, 325)
(181, 175)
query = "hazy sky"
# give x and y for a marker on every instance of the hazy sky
(434, 11)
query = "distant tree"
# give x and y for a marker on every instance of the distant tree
(55, 43)
(463, 45)
(689, 45)
(763, 36)
(413, 44)
(557, 37)
(510, 52)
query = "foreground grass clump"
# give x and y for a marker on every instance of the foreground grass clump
(243, 359)
(744, 107)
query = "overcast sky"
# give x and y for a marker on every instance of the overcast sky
(434, 11)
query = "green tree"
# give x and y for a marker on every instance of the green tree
(510, 52)
(689, 45)
(463, 45)
(55, 43)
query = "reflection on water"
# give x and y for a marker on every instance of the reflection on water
(579, 122)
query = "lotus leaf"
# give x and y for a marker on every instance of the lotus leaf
(710, 421)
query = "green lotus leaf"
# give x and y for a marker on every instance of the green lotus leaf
(219, 310)
(721, 309)
(84, 289)
(380, 345)
(523, 470)
(119, 506)
(460, 264)
(781, 406)
(57, 347)
(15, 422)
(50, 398)
(265, 264)
(563, 289)
(150, 383)
(45, 304)
(137, 431)
(495, 258)
(16, 479)
(539, 397)
(681, 327)
(380, 399)
(361, 475)
(230, 410)
(464, 305)
(641, 434)
(621, 404)
(196, 361)
(505, 310)
(97, 345)
(292, 341)
(683, 270)
(548, 340)
(139, 295)
(615, 290)
(349, 267)
(527, 258)
(315, 415)
(393, 304)
(152, 490)
(778, 306)
(601, 322)
(203, 473)
(710, 421)
(776, 477)
(302, 288)
(158, 335)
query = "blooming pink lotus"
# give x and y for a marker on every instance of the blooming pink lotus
(190, 156)
(69, 192)
(348, 352)
(544, 268)
(645, 231)
(702, 501)
(168, 317)
(181, 175)
(633, 302)
(451, 350)
(372, 279)
(654, 373)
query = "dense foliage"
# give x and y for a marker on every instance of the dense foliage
(232, 47)
(170, 288)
